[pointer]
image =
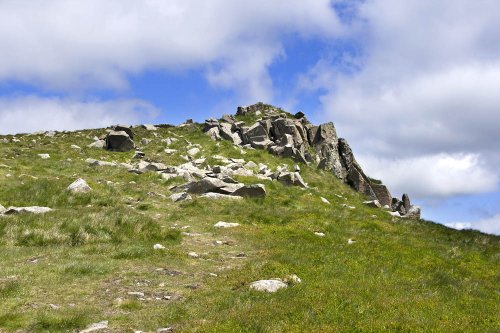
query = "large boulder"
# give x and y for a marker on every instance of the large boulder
(209, 184)
(254, 191)
(382, 193)
(413, 212)
(119, 141)
(406, 201)
(227, 133)
(256, 133)
(124, 128)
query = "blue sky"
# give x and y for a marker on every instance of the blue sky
(414, 86)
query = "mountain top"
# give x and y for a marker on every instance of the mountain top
(258, 221)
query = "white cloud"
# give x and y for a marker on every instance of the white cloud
(419, 98)
(93, 43)
(32, 113)
(432, 176)
(489, 225)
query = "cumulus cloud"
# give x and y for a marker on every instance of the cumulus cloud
(489, 225)
(32, 113)
(76, 44)
(419, 95)
(432, 176)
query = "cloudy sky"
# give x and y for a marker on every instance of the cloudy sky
(413, 85)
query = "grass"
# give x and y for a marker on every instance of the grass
(93, 249)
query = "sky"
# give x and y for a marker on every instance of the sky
(414, 85)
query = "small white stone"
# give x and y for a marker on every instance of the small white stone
(193, 151)
(269, 286)
(320, 234)
(76, 147)
(96, 327)
(350, 241)
(158, 247)
(293, 279)
(193, 255)
(325, 201)
(222, 224)
(44, 156)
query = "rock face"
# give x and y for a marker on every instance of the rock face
(119, 141)
(297, 138)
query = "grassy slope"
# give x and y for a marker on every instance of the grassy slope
(96, 247)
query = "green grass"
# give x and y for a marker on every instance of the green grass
(95, 248)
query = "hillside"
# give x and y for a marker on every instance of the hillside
(125, 252)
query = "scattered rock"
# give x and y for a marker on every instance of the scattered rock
(44, 156)
(183, 196)
(325, 201)
(222, 224)
(413, 213)
(150, 127)
(269, 286)
(216, 196)
(75, 147)
(97, 144)
(193, 151)
(137, 294)
(193, 255)
(350, 241)
(319, 234)
(119, 141)
(165, 330)
(96, 327)
(31, 210)
(158, 247)
(79, 186)
(292, 279)
(254, 191)
(373, 203)
(2, 209)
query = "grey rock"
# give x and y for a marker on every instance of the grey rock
(269, 286)
(97, 144)
(145, 141)
(119, 141)
(406, 201)
(31, 210)
(382, 193)
(149, 127)
(124, 128)
(220, 196)
(254, 191)
(208, 184)
(183, 196)
(79, 186)
(256, 133)
(165, 330)
(96, 327)
(373, 203)
(226, 133)
(214, 133)
(413, 212)
(222, 224)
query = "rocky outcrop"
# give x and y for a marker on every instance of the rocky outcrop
(295, 137)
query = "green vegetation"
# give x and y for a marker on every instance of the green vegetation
(76, 265)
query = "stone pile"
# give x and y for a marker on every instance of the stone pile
(295, 137)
